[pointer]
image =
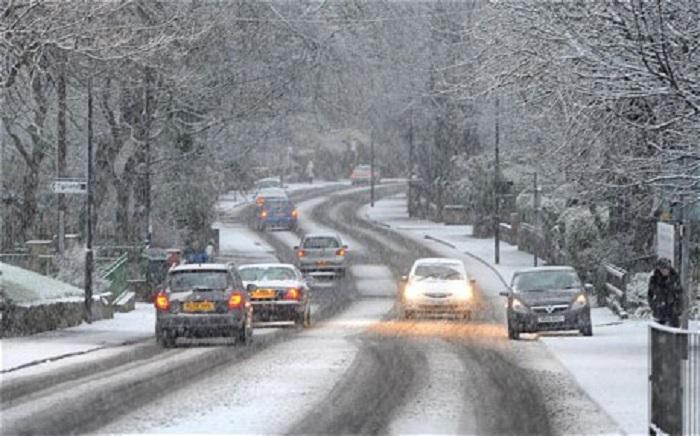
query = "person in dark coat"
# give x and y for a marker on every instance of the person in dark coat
(665, 294)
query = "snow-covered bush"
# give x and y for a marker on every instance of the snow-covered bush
(71, 269)
(475, 191)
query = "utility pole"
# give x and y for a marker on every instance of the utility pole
(88, 241)
(371, 166)
(685, 261)
(496, 223)
(61, 148)
(536, 209)
(147, 152)
(410, 164)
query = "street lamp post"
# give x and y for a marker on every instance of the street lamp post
(371, 167)
(496, 223)
(88, 241)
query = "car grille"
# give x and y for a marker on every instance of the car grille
(550, 309)
(437, 294)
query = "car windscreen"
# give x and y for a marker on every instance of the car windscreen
(202, 279)
(254, 274)
(546, 280)
(321, 242)
(438, 271)
(268, 184)
(277, 205)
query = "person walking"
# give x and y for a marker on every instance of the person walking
(665, 294)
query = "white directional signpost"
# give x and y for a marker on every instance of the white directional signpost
(66, 186)
(69, 186)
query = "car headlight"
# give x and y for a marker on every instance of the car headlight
(463, 292)
(411, 292)
(518, 306)
(580, 301)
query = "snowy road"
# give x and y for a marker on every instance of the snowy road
(358, 371)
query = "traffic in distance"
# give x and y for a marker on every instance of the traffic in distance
(229, 300)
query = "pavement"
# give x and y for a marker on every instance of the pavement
(611, 366)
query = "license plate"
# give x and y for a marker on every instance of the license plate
(551, 319)
(263, 293)
(199, 306)
(321, 263)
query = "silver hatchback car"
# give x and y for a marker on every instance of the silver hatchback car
(322, 255)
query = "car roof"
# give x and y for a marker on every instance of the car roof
(321, 235)
(545, 269)
(437, 260)
(201, 267)
(267, 265)
(272, 191)
(269, 179)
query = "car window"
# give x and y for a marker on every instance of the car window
(545, 280)
(179, 281)
(270, 273)
(321, 242)
(438, 271)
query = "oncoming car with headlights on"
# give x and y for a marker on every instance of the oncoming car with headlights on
(548, 298)
(279, 294)
(437, 286)
(203, 300)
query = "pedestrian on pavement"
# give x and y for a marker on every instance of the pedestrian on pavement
(211, 248)
(665, 294)
(310, 172)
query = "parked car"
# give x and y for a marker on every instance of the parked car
(203, 300)
(276, 213)
(278, 292)
(436, 286)
(362, 175)
(548, 298)
(322, 255)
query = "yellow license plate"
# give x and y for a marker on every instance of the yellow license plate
(264, 293)
(199, 306)
(321, 263)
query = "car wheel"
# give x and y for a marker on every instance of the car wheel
(513, 332)
(406, 314)
(307, 317)
(245, 335)
(165, 339)
(587, 330)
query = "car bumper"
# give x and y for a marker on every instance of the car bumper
(279, 222)
(321, 266)
(437, 306)
(271, 311)
(198, 324)
(572, 319)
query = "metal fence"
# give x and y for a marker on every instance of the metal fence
(674, 380)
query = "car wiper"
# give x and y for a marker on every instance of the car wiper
(535, 290)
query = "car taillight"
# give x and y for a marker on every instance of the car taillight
(295, 213)
(340, 252)
(263, 214)
(292, 294)
(300, 253)
(235, 301)
(162, 301)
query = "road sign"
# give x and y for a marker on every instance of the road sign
(666, 241)
(63, 186)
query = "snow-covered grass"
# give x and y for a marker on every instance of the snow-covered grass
(25, 286)
(611, 366)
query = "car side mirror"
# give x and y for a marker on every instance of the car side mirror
(251, 287)
(504, 294)
(472, 283)
(589, 288)
(345, 247)
(296, 247)
(403, 279)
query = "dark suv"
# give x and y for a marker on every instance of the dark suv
(203, 300)
(548, 298)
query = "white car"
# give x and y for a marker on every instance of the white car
(278, 292)
(436, 286)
